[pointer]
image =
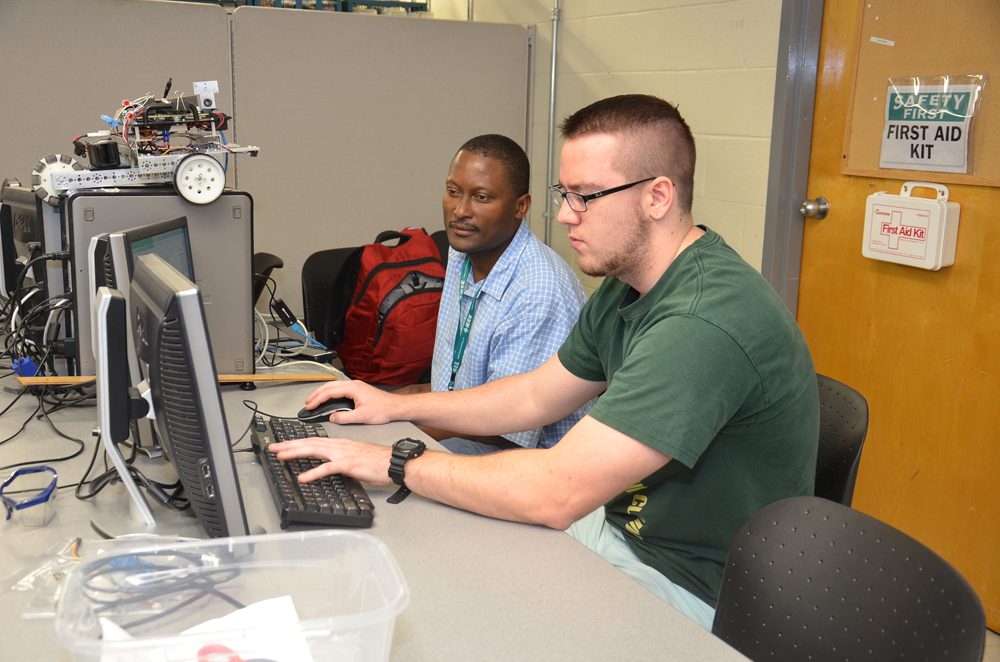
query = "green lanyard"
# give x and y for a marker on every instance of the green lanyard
(464, 326)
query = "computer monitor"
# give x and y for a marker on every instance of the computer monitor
(19, 226)
(168, 239)
(174, 351)
(111, 260)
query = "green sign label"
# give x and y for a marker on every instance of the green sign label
(934, 106)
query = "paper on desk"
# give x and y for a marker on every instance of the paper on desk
(259, 630)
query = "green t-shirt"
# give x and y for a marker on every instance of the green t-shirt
(711, 369)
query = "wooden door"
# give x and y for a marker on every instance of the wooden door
(923, 347)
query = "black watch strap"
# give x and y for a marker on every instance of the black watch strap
(403, 451)
(399, 494)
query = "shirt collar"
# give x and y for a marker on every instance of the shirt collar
(502, 273)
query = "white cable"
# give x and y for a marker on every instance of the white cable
(267, 335)
(329, 368)
(17, 307)
(53, 315)
(309, 336)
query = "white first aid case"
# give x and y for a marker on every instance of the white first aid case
(917, 232)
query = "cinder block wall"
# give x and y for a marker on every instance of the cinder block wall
(715, 59)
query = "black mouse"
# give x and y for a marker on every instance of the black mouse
(322, 412)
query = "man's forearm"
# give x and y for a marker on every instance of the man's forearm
(494, 440)
(553, 486)
(474, 411)
(471, 483)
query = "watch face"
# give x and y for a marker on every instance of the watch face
(406, 445)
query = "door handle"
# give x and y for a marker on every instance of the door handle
(817, 208)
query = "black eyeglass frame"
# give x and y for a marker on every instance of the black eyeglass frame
(562, 194)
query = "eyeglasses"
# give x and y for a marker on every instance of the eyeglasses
(41, 497)
(578, 201)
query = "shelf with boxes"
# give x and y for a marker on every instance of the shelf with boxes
(385, 7)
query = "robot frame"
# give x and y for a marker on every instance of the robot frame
(149, 141)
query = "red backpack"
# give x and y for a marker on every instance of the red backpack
(389, 324)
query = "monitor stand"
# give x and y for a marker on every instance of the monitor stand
(119, 517)
(123, 517)
(121, 411)
(146, 442)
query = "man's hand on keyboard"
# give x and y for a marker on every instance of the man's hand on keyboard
(364, 461)
(371, 405)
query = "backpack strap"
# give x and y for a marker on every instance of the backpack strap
(401, 237)
(389, 235)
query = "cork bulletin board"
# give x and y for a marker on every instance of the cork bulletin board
(942, 39)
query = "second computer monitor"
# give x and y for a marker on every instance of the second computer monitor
(112, 262)
(168, 239)
(172, 343)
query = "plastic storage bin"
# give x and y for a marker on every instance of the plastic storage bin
(344, 587)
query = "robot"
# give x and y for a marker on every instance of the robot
(149, 141)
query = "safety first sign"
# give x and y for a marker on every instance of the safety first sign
(917, 232)
(927, 127)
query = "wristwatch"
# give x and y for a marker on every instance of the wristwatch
(402, 451)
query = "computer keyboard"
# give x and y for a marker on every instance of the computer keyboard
(331, 501)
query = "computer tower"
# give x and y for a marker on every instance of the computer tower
(222, 249)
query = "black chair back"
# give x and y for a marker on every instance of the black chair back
(319, 291)
(263, 265)
(441, 239)
(843, 425)
(811, 579)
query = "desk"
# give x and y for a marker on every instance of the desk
(481, 589)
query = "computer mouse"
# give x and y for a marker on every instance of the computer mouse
(322, 412)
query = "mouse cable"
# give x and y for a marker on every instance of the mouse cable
(27, 420)
(79, 442)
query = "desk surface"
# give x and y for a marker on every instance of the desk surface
(481, 589)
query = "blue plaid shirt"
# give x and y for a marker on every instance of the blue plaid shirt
(527, 305)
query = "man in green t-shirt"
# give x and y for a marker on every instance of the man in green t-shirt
(708, 406)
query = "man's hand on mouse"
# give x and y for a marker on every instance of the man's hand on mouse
(364, 461)
(371, 405)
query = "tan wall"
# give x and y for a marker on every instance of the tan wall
(716, 60)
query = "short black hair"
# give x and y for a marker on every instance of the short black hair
(508, 153)
(661, 141)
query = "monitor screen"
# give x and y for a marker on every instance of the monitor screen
(168, 239)
(173, 348)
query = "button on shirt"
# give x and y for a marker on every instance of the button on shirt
(527, 306)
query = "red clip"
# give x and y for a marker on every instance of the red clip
(217, 653)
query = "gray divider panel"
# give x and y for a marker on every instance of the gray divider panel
(357, 118)
(67, 62)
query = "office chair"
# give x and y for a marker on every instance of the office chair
(843, 424)
(320, 274)
(811, 579)
(441, 239)
(263, 265)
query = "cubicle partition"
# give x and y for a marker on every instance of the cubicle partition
(67, 62)
(356, 116)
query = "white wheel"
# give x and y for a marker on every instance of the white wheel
(41, 176)
(199, 179)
